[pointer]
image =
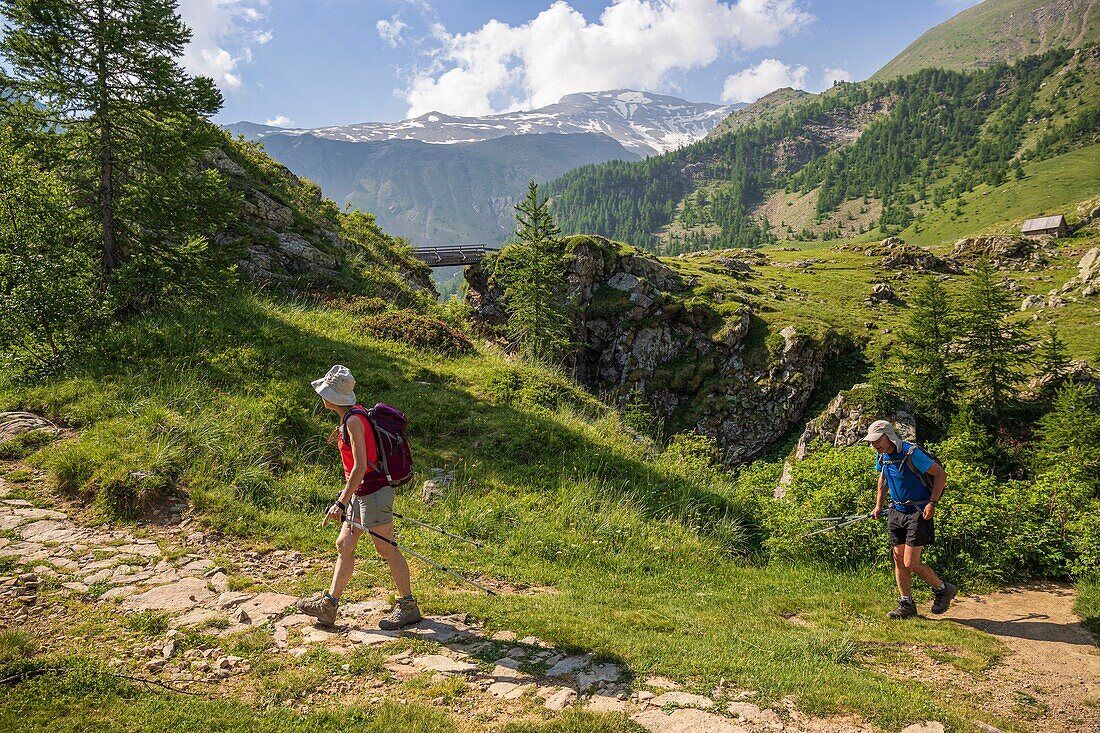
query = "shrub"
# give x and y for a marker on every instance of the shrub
(536, 388)
(24, 444)
(987, 529)
(418, 331)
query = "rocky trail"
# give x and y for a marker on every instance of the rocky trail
(166, 570)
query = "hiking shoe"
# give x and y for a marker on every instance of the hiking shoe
(405, 612)
(320, 608)
(905, 609)
(943, 597)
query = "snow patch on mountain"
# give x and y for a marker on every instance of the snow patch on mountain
(643, 123)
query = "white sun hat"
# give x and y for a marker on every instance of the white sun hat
(338, 386)
(879, 428)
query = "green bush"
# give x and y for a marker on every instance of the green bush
(987, 529)
(537, 388)
(421, 332)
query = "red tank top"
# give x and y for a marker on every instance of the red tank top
(345, 448)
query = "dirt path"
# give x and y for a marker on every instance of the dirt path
(1051, 672)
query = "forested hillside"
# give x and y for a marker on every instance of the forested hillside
(874, 157)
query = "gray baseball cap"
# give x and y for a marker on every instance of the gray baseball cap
(338, 386)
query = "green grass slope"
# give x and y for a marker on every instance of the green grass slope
(999, 30)
(644, 549)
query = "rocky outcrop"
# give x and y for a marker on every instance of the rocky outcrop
(1088, 275)
(1004, 251)
(898, 255)
(640, 329)
(842, 424)
(285, 235)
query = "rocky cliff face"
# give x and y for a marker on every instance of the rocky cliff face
(640, 330)
(287, 233)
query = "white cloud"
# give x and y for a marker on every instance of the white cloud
(634, 43)
(280, 121)
(390, 30)
(834, 74)
(767, 76)
(220, 41)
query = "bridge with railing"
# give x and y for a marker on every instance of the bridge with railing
(451, 255)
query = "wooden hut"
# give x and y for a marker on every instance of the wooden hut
(1052, 225)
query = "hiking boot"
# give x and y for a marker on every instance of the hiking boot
(943, 597)
(905, 609)
(320, 608)
(405, 612)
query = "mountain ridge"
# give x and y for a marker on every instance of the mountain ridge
(643, 123)
(998, 30)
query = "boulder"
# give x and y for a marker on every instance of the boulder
(14, 424)
(263, 607)
(183, 595)
(880, 293)
(436, 486)
(1088, 275)
(1004, 251)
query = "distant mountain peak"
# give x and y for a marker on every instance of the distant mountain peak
(642, 122)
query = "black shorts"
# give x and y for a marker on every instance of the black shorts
(909, 529)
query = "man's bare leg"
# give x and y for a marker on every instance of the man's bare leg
(914, 563)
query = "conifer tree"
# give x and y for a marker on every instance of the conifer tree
(924, 353)
(1052, 356)
(131, 119)
(1070, 432)
(532, 271)
(996, 348)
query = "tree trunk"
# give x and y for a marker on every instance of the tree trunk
(106, 182)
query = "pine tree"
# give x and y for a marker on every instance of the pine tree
(995, 347)
(131, 118)
(1070, 432)
(924, 353)
(881, 400)
(532, 272)
(1052, 356)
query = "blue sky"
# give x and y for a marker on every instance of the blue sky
(312, 63)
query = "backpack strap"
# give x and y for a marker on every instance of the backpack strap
(347, 437)
(378, 431)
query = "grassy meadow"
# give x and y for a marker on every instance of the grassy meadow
(650, 554)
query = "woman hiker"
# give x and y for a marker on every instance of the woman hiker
(912, 505)
(373, 510)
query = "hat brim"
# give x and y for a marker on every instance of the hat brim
(329, 394)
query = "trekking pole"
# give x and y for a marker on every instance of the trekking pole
(417, 555)
(843, 522)
(440, 530)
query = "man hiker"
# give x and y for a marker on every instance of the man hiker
(373, 510)
(912, 506)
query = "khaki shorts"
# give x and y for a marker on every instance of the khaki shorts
(372, 510)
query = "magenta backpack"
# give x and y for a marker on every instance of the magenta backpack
(395, 464)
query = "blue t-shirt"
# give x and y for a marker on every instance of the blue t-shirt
(904, 484)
